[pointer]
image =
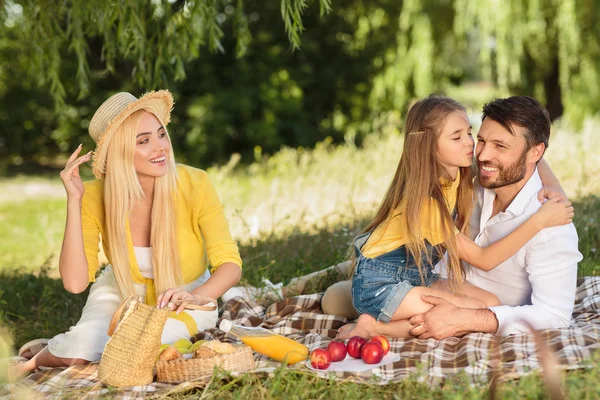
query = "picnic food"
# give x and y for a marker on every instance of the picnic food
(217, 346)
(204, 359)
(278, 348)
(163, 346)
(268, 343)
(320, 359)
(183, 345)
(204, 352)
(385, 344)
(197, 344)
(372, 353)
(337, 350)
(169, 353)
(355, 345)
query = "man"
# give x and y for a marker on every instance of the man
(536, 285)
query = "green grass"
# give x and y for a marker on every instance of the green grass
(32, 232)
(292, 214)
(287, 384)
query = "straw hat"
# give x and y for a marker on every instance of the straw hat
(114, 111)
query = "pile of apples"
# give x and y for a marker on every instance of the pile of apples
(370, 352)
(178, 349)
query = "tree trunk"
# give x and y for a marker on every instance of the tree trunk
(553, 92)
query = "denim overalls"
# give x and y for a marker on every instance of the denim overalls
(380, 284)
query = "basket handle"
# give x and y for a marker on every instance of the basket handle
(117, 315)
(203, 307)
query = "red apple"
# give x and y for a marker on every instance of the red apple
(385, 344)
(337, 350)
(320, 359)
(372, 353)
(355, 345)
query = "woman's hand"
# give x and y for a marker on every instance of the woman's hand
(70, 175)
(555, 212)
(170, 296)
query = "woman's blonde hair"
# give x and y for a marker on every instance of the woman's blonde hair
(122, 191)
(417, 181)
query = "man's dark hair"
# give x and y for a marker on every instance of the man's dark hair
(523, 111)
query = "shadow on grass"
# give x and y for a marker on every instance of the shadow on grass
(33, 305)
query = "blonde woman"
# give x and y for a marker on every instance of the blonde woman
(161, 225)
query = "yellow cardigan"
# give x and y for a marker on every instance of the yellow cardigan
(202, 229)
(393, 233)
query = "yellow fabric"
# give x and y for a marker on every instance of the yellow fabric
(187, 319)
(202, 229)
(392, 234)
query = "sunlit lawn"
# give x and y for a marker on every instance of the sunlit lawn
(295, 190)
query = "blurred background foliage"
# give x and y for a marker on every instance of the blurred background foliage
(241, 87)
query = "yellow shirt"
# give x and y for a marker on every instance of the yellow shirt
(393, 233)
(202, 228)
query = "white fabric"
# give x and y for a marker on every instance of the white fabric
(143, 256)
(269, 291)
(86, 340)
(538, 283)
(175, 329)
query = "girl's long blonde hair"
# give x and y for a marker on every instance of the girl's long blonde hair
(417, 180)
(122, 191)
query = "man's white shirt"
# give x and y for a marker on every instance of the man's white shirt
(538, 283)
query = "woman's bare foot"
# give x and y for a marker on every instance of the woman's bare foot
(31, 348)
(45, 359)
(366, 327)
(18, 369)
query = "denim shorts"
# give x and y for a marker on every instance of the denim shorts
(380, 284)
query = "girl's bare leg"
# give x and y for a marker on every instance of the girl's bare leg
(469, 297)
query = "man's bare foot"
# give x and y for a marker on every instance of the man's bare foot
(366, 326)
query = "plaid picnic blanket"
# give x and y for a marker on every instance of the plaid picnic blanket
(479, 356)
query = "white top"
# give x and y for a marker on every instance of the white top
(538, 283)
(143, 255)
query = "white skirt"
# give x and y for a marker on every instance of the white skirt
(86, 340)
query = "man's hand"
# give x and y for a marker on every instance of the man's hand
(442, 321)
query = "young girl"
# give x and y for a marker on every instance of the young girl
(161, 224)
(424, 215)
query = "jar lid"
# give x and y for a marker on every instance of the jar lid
(225, 325)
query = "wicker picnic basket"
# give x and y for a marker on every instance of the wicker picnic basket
(181, 370)
(130, 354)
